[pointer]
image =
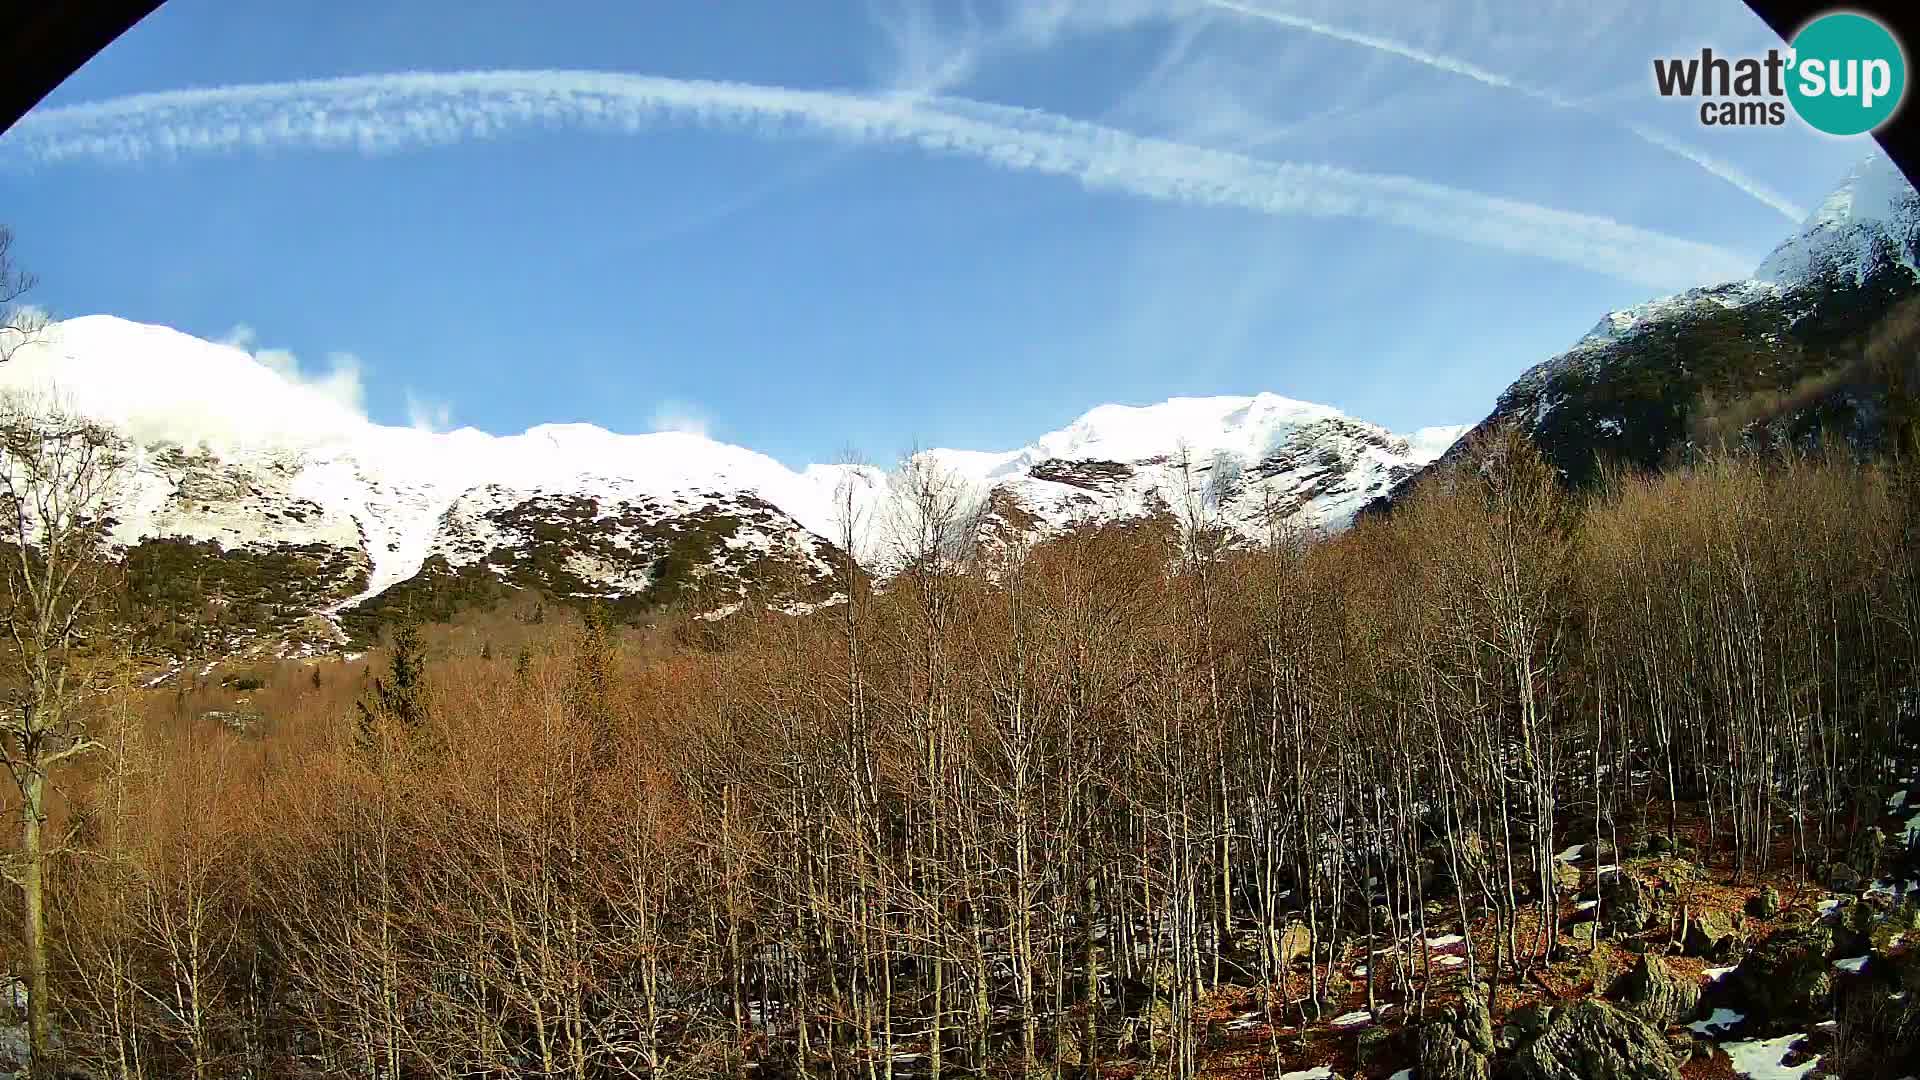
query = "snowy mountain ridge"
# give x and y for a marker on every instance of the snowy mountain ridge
(1629, 388)
(1872, 218)
(228, 450)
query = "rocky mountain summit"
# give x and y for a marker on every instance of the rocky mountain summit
(277, 507)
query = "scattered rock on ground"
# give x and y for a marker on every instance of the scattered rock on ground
(1843, 878)
(1765, 904)
(1566, 877)
(1879, 1016)
(1653, 991)
(1456, 1044)
(1592, 1040)
(1685, 1044)
(1786, 978)
(1627, 905)
(1711, 934)
(1531, 1018)
(1372, 1044)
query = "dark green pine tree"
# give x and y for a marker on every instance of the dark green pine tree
(593, 677)
(400, 697)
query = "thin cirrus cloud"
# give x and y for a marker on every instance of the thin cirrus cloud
(386, 113)
(1467, 69)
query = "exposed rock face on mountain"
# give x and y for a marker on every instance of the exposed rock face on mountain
(1776, 358)
(261, 501)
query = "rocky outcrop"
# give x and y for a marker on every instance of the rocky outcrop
(1843, 878)
(1787, 978)
(1627, 904)
(1566, 877)
(1879, 1017)
(1656, 994)
(1593, 1040)
(1712, 934)
(1459, 1043)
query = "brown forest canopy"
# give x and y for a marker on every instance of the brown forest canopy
(1121, 769)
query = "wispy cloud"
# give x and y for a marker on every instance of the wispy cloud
(341, 382)
(427, 414)
(924, 56)
(387, 113)
(1470, 70)
(680, 416)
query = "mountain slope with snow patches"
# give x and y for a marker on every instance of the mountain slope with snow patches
(1643, 380)
(230, 456)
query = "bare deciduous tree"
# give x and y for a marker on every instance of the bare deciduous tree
(19, 322)
(58, 475)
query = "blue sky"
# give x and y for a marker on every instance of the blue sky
(876, 224)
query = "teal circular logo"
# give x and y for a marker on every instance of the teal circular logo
(1848, 74)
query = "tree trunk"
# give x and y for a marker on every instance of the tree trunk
(33, 879)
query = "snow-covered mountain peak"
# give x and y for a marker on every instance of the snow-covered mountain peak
(1873, 211)
(246, 452)
(1631, 389)
(156, 384)
(1248, 426)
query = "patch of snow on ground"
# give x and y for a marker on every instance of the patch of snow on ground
(1851, 963)
(1715, 974)
(1721, 1020)
(1763, 1059)
(1318, 1072)
(1358, 1016)
(1445, 940)
(1572, 854)
(1896, 800)
(719, 613)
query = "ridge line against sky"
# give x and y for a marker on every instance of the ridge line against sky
(1786, 207)
(383, 113)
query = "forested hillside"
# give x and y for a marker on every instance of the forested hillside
(1513, 776)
